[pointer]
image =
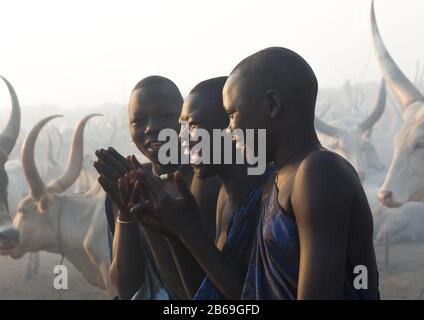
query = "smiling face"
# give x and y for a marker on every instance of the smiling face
(204, 111)
(152, 109)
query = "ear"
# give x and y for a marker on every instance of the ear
(273, 103)
(45, 203)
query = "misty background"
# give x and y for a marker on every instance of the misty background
(80, 54)
(79, 57)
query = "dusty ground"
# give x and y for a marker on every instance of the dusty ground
(13, 284)
(403, 278)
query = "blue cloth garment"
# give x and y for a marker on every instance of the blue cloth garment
(153, 287)
(274, 267)
(240, 230)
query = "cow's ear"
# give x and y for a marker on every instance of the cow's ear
(45, 203)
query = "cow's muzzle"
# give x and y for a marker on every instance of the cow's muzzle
(9, 238)
(386, 199)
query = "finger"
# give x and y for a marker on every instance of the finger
(101, 154)
(121, 166)
(153, 188)
(129, 188)
(135, 163)
(115, 154)
(97, 167)
(135, 194)
(123, 192)
(142, 208)
(112, 184)
(106, 170)
(182, 187)
(135, 174)
(110, 191)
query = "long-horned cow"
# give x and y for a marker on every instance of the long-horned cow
(353, 143)
(405, 179)
(9, 236)
(71, 225)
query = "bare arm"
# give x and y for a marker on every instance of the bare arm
(190, 272)
(181, 217)
(127, 267)
(323, 190)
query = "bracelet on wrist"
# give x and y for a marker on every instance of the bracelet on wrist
(125, 221)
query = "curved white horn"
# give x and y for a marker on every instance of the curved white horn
(73, 169)
(325, 128)
(375, 115)
(10, 134)
(36, 185)
(404, 90)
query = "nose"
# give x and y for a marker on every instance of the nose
(9, 237)
(385, 197)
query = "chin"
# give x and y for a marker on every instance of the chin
(202, 173)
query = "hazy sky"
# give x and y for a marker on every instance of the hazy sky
(82, 52)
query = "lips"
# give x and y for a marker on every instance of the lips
(154, 145)
(195, 156)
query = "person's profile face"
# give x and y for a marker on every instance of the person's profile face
(242, 105)
(150, 111)
(247, 110)
(197, 116)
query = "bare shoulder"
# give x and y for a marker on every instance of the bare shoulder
(324, 173)
(325, 164)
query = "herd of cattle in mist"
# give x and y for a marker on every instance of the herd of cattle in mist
(49, 204)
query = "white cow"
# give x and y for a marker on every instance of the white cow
(404, 224)
(71, 225)
(353, 142)
(405, 179)
(402, 192)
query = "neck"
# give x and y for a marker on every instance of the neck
(236, 182)
(164, 169)
(293, 146)
(71, 236)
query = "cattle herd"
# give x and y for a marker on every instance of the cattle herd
(48, 206)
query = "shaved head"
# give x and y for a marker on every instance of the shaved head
(206, 98)
(158, 81)
(282, 70)
(274, 89)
